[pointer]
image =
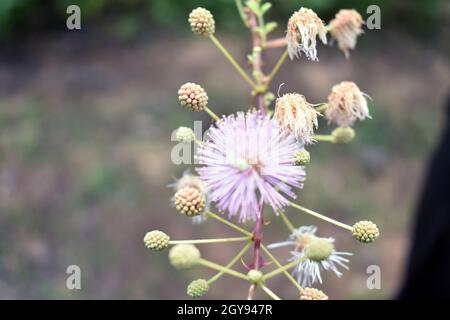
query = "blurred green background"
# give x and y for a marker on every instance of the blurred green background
(85, 124)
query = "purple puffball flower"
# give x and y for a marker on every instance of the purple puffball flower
(245, 157)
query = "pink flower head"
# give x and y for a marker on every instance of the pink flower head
(245, 157)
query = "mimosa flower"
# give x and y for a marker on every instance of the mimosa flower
(247, 157)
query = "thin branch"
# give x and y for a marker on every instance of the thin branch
(277, 67)
(228, 223)
(321, 216)
(232, 262)
(232, 61)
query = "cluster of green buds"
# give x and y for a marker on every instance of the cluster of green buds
(300, 119)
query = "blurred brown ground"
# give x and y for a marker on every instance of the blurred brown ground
(85, 148)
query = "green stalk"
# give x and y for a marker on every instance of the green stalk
(232, 61)
(240, 8)
(324, 137)
(277, 67)
(321, 216)
(218, 267)
(286, 221)
(279, 265)
(284, 268)
(212, 114)
(232, 262)
(228, 223)
(203, 241)
(270, 292)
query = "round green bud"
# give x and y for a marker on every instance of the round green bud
(202, 22)
(365, 231)
(302, 158)
(198, 288)
(343, 135)
(185, 135)
(319, 249)
(255, 276)
(156, 240)
(184, 256)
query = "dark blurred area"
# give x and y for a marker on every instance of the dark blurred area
(428, 275)
(86, 118)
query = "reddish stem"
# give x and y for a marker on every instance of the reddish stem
(259, 98)
(257, 58)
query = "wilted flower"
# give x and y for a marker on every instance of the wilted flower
(245, 156)
(297, 115)
(346, 103)
(189, 180)
(302, 29)
(345, 29)
(318, 253)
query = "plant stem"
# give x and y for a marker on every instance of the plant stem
(324, 137)
(240, 8)
(321, 107)
(284, 268)
(251, 292)
(320, 216)
(258, 73)
(277, 66)
(257, 238)
(218, 267)
(203, 241)
(232, 262)
(232, 61)
(276, 43)
(212, 114)
(286, 221)
(279, 265)
(228, 223)
(270, 292)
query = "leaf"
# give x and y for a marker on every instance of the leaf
(270, 26)
(266, 7)
(254, 6)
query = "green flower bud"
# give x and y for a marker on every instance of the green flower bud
(343, 135)
(185, 135)
(365, 231)
(255, 276)
(319, 249)
(302, 158)
(184, 256)
(156, 240)
(198, 288)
